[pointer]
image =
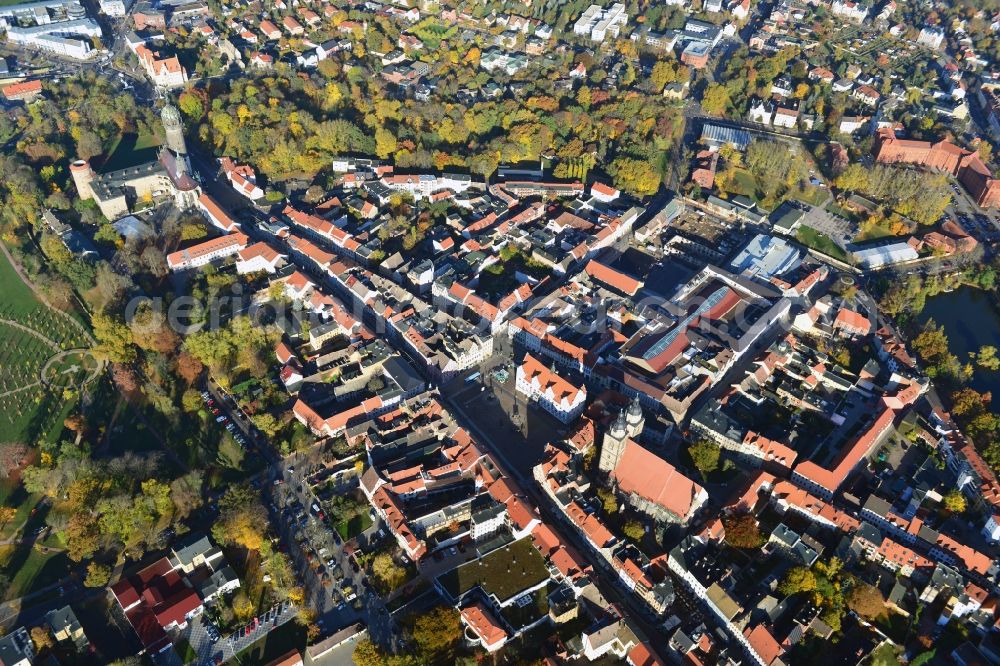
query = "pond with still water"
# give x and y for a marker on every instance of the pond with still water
(970, 319)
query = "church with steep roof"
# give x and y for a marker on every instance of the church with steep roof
(648, 483)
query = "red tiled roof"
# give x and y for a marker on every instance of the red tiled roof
(481, 621)
(311, 250)
(850, 456)
(810, 504)
(545, 538)
(642, 655)
(163, 599)
(534, 370)
(219, 216)
(771, 450)
(290, 658)
(647, 475)
(259, 249)
(613, 278)
(605, 190)
(179, 258)
(852, 321)
(764, 644)
(902, 556)
(591, 525)
(17, 90)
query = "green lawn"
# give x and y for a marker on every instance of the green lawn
(349, 529)
(130, 150)
(28, 570)
(812, 195)
(885, 655)
(874, 232)
(744, 183)
(820, 242)
(12, 493)
(17, 299)
(432, 33)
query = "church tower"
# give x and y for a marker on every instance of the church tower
(174, 130)
(613, 444)
(174, 156)
(634, 420)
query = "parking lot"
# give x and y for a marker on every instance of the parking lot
(211, 647)
(839, 230)
(335, 585)
(227, 413)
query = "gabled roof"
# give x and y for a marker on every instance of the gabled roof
(482, 622)
(259, 249)
(645, 474)
(21, 88)
(613, 278)
(764, 644)
(550, 384)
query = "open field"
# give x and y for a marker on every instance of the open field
(820, 242)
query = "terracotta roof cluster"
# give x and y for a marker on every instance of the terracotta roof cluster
(764, 644)
(746, 499)
(893, 347)
(22, 89)
(387, 505)
(155, 599)
(603, 190)
(972, 559)
(813, 507)
(217, 214)
(465, 296)
(312, 223)
(902, 556)
(952, 239)
(319, 256)
(336, 423)
(241, 177)
(596, 531)
(155, 65)
(770, 450)
(854, 323)
(259, 249)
